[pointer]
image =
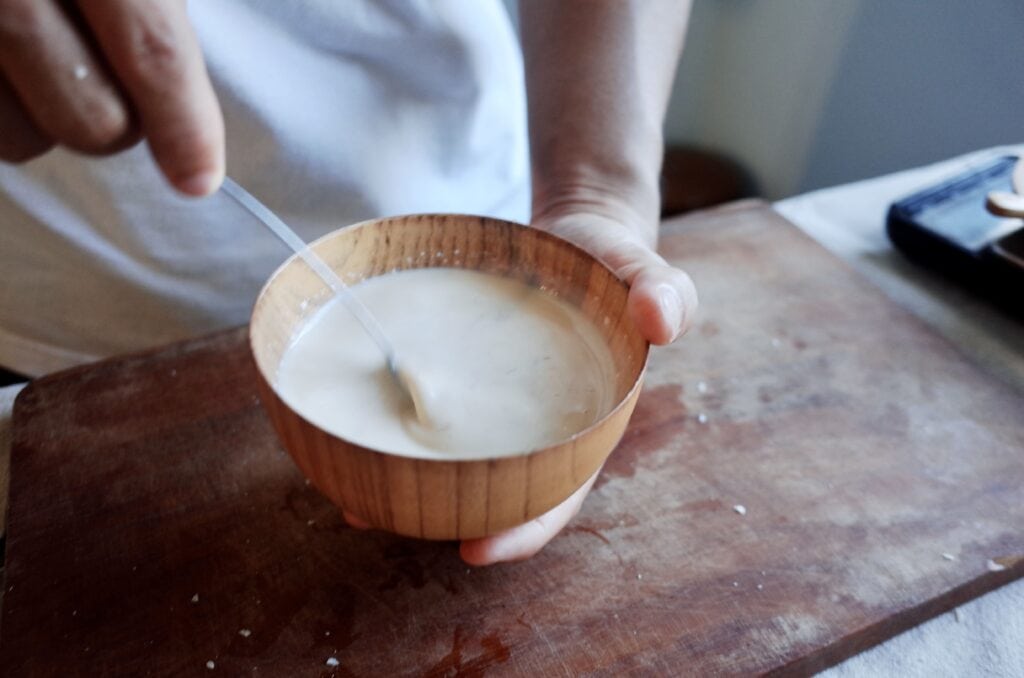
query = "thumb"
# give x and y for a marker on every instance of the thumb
(662, 301)
(662, 298)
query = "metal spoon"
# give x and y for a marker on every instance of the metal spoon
(330, 278)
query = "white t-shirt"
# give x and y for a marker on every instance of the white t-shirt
(335, 112)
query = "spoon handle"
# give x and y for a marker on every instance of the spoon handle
(335, 283)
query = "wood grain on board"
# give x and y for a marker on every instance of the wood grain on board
(155, 525)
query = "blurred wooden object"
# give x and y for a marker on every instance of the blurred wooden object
(693, 179)
(1006, 204)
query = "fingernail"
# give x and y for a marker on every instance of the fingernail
(200, 184)
(671, 308)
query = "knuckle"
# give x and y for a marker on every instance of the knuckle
(154, 57)
(102, 130)
(18, 19)
(108, 131)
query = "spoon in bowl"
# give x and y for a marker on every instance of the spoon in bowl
(409, 386)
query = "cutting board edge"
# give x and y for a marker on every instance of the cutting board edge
(906, 619)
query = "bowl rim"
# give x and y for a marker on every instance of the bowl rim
(596, 425)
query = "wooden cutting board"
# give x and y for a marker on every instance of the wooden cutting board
(155, 525)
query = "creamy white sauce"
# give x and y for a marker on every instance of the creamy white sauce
(499, 368)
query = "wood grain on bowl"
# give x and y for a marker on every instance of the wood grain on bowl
(439, 499)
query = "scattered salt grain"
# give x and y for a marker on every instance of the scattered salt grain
(993, 566)
(702, 418)
(331, 661)
(195, 598)
(639, 576)
(245, 633)
(740, 509)
(81, 72)
(210, 665)
(948, 556)
(760, 587)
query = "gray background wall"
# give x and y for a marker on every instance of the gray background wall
(918, 82)
(810, 93)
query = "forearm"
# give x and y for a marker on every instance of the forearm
(598, 78)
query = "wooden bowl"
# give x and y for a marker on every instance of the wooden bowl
(439, 499)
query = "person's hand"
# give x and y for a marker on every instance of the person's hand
(598, 77)
(662, 298)
(97, 76)
(662, 302)
(517, 543)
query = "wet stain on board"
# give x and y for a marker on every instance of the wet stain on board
(453, 665)
(659, 416)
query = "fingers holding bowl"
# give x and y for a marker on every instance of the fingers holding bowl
(524, 541)
(662, 302)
